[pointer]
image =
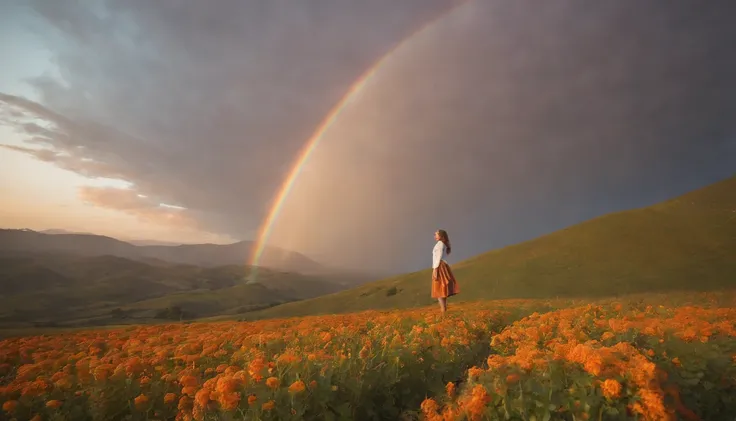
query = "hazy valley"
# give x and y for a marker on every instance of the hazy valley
(71, 280)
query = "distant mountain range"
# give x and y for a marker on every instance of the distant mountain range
(60, 231)
(152, 243)
(63, 279)
(136, 242)
(18, 242)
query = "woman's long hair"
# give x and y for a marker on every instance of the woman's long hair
(445, 239)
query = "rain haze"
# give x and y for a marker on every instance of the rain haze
(498, 121)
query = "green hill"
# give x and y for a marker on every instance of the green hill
(48, 290)
(688, 243)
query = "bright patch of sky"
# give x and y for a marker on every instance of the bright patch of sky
(39, 195)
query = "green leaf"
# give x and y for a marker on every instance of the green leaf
(547, 416)
(692, 381)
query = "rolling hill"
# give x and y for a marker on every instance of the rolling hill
(65, 290)
(15, 242)
(687, 243)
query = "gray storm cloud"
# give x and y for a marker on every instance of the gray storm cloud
(502, 121)
(509, 119)
(198, 105)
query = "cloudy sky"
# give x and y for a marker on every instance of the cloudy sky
(500, 121)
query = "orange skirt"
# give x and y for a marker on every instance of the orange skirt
(443, 281)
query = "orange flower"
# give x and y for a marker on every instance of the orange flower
(54, 404)
(102, 372)
(297, 387)
(364, 352)
(429, 406)
(185, 403)
(169, 398)
(478, 401)
(226, 385)
(611, 388)
(214, 362)
(474, 372)
(288, 358)
(607, 335)
(189, 390)
(429, 409)
(273, 382)
(188, 381)
(9, 406)
(229, 401)
(202, 397)
(141, 402)
(450, 389)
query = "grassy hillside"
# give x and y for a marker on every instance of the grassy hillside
(687, 243)
(64, 290)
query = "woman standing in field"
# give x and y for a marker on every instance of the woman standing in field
(443, 281)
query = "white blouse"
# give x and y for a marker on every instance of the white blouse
(438, 253)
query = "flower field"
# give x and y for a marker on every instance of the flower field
(634, 358)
